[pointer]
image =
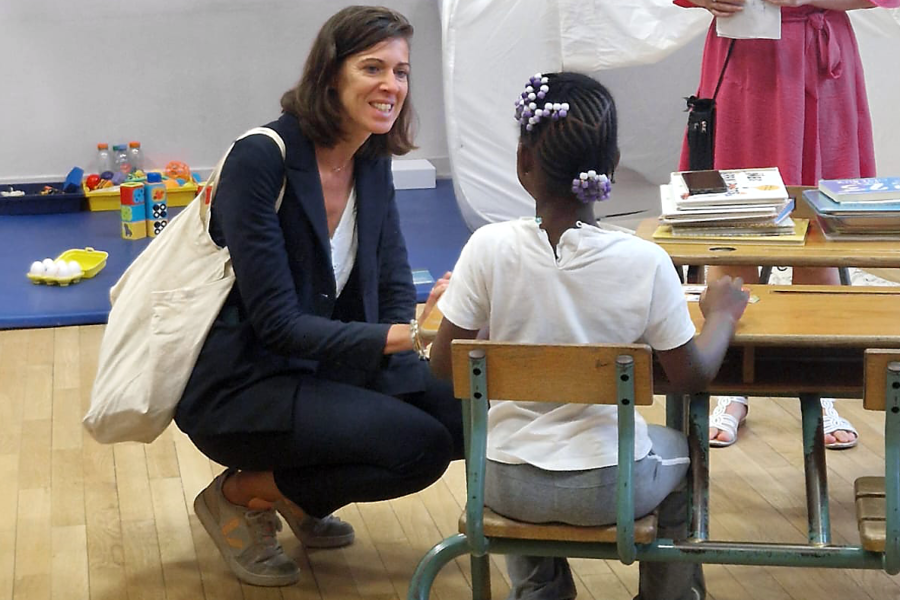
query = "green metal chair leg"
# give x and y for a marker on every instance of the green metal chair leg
(481, 577)
(432, 563)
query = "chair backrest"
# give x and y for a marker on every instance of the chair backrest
(877, 368)
(576, 373)
(570, 373)
(882, 392)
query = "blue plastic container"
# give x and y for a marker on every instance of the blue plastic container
(33, 203)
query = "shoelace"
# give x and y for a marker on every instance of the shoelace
(265, 525)
(319, 526)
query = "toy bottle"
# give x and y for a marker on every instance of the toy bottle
(120, 159)
(104, 159)
(156, 203)
(135, 156)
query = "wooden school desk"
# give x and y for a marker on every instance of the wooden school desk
(804, 341)
(816, 252)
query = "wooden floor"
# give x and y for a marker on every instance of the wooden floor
(81, 520)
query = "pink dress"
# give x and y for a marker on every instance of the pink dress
(798, 103)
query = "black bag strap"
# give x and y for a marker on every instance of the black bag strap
(724, 65)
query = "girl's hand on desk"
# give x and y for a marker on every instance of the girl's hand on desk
(725, 296)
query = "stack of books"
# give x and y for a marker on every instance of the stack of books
(857, 209)
(746, 205)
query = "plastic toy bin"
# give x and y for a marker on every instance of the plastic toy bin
(33, 203)
(108, 198)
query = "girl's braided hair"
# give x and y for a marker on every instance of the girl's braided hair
(584, 140)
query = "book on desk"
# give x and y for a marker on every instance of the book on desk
(664, 234)
(855, 222)
(754, 208)
(742, 187)
(862, 190)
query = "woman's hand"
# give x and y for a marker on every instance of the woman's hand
(399, 338)
(440, 286)
(721, 9)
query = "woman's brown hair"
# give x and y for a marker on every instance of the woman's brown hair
(314, 100)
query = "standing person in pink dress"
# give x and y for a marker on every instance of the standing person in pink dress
(798, 103)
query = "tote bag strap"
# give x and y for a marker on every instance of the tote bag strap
(213, 180)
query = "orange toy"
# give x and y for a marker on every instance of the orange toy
(178, 170)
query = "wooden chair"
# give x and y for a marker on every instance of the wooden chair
(592, 374)
(878, 498)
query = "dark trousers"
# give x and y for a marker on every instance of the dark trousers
(351, 444)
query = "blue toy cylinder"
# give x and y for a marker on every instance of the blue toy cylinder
(157, 204)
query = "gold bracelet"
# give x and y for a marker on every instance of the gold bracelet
(416, 341)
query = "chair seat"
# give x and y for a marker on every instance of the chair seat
(501, 527)
(870, 512)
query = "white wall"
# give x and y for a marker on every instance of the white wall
(184, 77)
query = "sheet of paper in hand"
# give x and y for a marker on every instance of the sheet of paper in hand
(758, 20)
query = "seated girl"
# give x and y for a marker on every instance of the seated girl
(557, 278)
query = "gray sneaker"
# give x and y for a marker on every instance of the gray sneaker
(327, 532)
(246, 538)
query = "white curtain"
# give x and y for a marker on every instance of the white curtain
(646, 51)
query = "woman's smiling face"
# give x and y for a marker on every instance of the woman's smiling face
(372, 86)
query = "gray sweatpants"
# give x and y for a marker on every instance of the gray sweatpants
(527, 493)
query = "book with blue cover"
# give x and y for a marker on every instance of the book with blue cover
(851, 219)
(822, 204)
(862, 190)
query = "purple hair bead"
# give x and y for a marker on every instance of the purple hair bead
(590, 186)
(527, 112)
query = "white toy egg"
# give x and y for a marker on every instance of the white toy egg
(62, 268)
(37, 268)
(48, 263)
(51, 270)
(75, 268)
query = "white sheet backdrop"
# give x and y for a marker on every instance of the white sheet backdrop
(646, 51)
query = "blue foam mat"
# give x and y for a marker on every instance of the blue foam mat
(430, 219)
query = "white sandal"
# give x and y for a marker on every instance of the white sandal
(835, 422)
(723, 421)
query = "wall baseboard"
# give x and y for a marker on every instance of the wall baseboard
(440, 167)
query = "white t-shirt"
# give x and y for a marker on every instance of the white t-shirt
(604, 287)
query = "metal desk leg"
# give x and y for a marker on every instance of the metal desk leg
(676, 418)
(816, 471)
(892, 469)
(698, 444)
(696, 274)
(844, 274)
(675, 412)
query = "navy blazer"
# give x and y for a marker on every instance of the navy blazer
(282, 322)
